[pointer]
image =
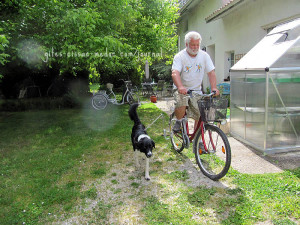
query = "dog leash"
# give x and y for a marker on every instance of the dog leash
(154, 121)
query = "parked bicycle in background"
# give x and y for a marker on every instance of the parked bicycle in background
(102, 98)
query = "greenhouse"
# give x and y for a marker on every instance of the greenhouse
(265, 92)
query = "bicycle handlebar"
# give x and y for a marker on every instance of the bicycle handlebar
(190, 92)
(126, 82)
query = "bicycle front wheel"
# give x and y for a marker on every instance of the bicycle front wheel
(212, 152)
(177, 140)
(132, 98)
(99, 101)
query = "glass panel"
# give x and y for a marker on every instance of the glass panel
(237, 103)
(291, 58)
(255, 84)
(284, 110)
(247, 106)
(262, 55)
(248, 109)
(280, 48)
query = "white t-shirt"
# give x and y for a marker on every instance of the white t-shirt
(192, 69)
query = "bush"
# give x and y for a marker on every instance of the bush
(161, 71)
(15, 105)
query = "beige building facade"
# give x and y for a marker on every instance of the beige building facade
(230, 28)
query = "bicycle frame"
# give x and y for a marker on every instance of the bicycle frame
(199, 126)
(192, 135)
(125, 94)
(115, 102)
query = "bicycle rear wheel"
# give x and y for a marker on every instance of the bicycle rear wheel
(177, 140)
(132, 98)
(214, 160)
(99, 101)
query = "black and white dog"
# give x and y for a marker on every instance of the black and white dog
(140, 140)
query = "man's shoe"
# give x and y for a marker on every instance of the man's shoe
(177, 127)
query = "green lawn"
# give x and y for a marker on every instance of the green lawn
(56, 163)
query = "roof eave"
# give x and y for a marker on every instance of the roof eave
(185, 7)
(223, 11)
(188, 5)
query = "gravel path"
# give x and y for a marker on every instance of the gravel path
(121, 202)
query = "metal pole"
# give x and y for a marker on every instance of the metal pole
(147, 69)
(154, 121)
(245, 105)
(266, 109)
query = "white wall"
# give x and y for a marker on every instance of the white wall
(239, 31)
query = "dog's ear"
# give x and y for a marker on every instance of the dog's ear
(153, 144)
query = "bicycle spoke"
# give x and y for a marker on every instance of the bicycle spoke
(132, 98)
(99, 101)
(213, 155)
(176, 137)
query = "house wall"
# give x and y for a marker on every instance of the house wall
(236, 32)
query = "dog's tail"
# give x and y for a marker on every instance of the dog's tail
(133, 114)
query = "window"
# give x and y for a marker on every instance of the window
(237, 57)
(231, 59)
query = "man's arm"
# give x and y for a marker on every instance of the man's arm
(213, 81)
(177, 81)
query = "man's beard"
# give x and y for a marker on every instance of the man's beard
(191, 51)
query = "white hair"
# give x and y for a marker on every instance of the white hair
(192, 35)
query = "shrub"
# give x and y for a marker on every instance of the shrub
(15, 105)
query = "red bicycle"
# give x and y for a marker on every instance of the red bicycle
(210, 144)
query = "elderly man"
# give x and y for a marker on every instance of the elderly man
(188, 69)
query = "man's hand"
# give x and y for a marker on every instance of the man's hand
(182, 90)
(216, 90)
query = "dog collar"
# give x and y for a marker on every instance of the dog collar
(143, 136)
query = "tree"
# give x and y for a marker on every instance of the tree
(3, 44)
(95, 35)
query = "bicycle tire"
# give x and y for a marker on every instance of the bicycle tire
(99, 101)
(215, 162)
(132, 98)
(176, 138)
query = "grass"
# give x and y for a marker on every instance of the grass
(54, 163)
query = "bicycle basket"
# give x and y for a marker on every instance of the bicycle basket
(213, 109)
(109, 86)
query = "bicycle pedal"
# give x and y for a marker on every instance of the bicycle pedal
(177, 131)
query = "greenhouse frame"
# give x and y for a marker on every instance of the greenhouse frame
(265, 92)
